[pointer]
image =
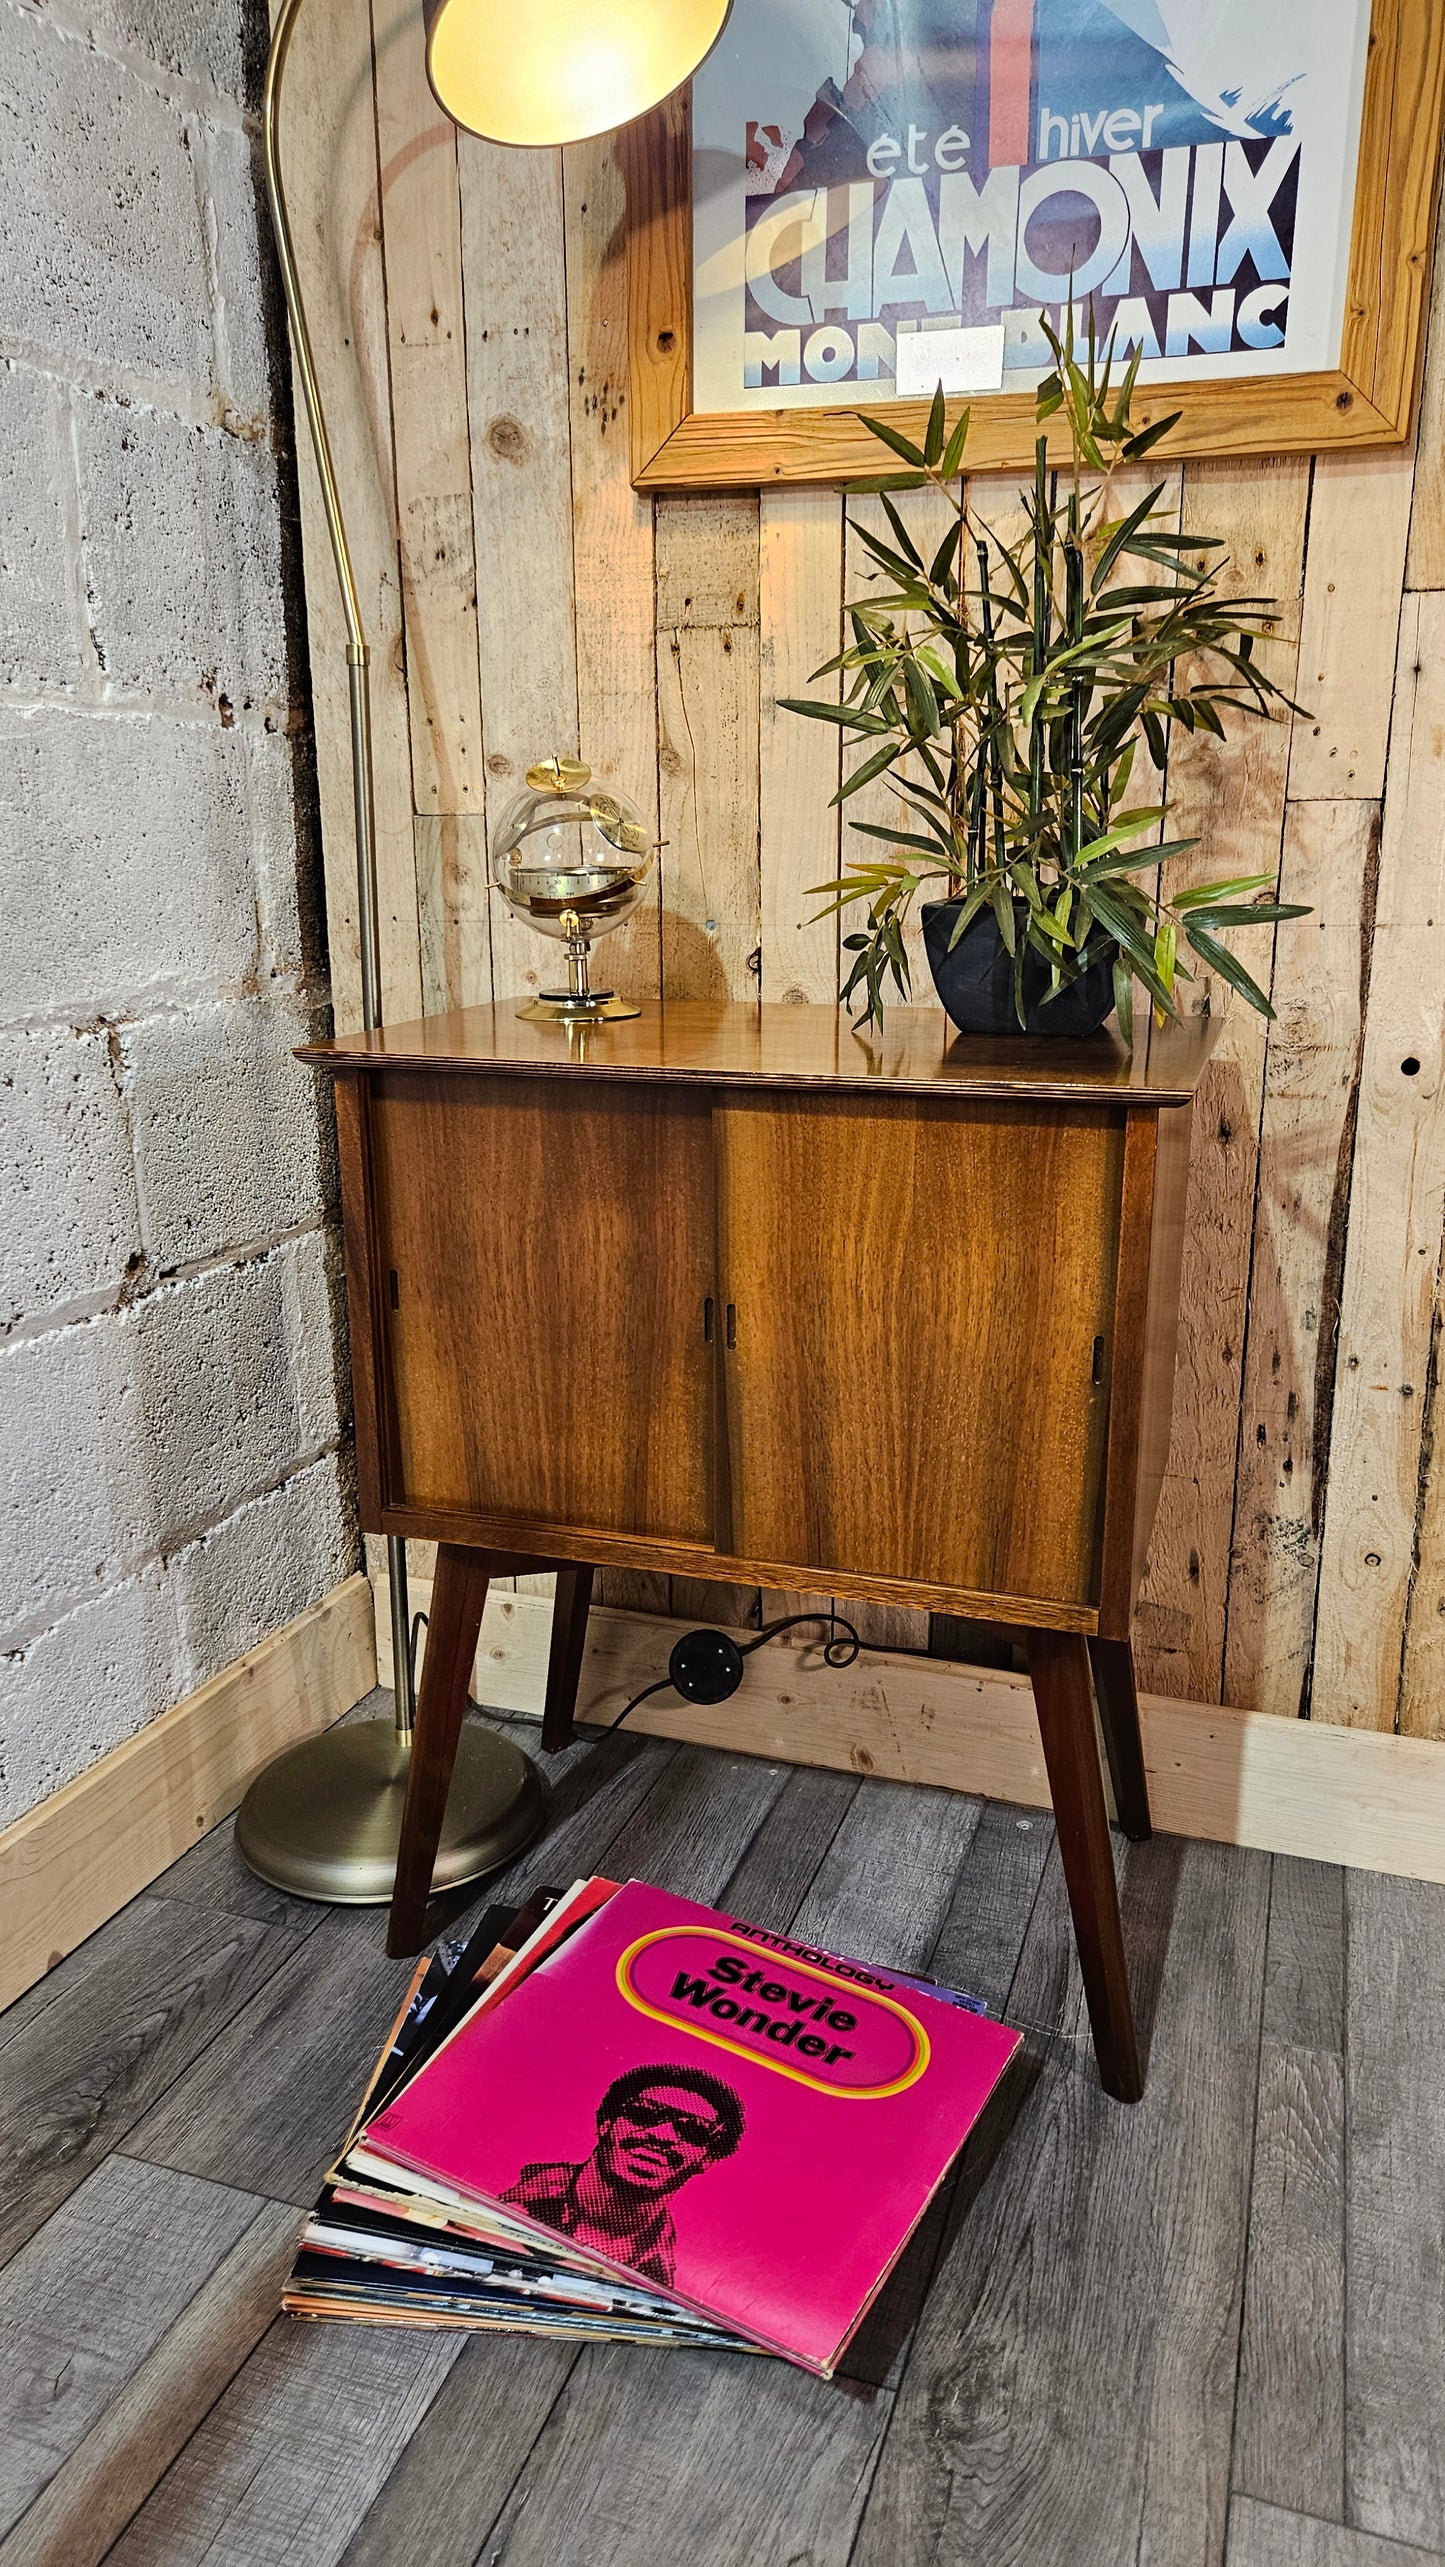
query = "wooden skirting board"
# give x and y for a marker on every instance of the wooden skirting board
(70, 1863)
(1352, 1796)
(1356, 1796)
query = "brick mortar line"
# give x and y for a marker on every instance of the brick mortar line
(143, 396)
(282, 994)
(128, 1570)
(179, 88)
(179, 1000)
(88, 1308)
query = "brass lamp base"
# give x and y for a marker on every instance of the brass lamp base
(554, 1007)
(323, 1819)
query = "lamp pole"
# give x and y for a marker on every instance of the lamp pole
(358, 674)
(324, 1818)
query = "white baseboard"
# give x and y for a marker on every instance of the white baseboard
(1356, 1796)
(72, 1861)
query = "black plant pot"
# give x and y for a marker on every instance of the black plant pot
(976, 981)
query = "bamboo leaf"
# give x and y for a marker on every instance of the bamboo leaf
(1261, 913)
(906, 544)
(896, 837)
(875, 765)
(943, 559)
(888, 435)
(968, 911)
(866, 724)
(953, 451)
(1138, 446)
(1204, 894)
(934, 433)
(1221, 960)
(922, 702)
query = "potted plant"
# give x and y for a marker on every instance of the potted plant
(1002, 689)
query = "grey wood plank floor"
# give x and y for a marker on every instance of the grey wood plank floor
(1205, 2332)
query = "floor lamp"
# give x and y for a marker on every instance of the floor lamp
(324, 1818)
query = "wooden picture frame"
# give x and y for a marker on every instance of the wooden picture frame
(1367, 401)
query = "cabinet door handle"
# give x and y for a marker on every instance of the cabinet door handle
(708, 1329)
(732, 1323)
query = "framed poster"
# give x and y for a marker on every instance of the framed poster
(863, 198)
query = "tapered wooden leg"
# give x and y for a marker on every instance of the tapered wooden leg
(459, 1591)
(1113, 1665)
(1059, 1669)
(564, 1661)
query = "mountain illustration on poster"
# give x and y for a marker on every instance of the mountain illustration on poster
(868, 169)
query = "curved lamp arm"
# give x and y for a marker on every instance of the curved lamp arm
(358, 671)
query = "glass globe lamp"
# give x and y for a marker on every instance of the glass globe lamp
(573, 860)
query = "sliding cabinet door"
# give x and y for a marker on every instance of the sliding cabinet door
(547, 1254)
(916, 1374)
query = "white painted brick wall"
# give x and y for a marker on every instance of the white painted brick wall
(171, 1480)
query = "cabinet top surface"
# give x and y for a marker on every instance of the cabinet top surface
(917, 1052)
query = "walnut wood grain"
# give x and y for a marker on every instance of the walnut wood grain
(923, 1296)
(550, 1274)
(718, 1044)
(363, 1303)
(713, 1568)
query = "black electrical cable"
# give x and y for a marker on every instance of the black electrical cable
(720, 1678)
(716, 1668)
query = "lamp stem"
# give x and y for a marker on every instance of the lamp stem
(359, 684)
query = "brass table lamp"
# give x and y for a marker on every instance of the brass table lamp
(324, 1818)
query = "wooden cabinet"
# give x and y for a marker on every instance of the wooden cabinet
(737, 1292)
(915, 1285)
(544, 1302)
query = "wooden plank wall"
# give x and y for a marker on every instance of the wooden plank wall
(472, 333)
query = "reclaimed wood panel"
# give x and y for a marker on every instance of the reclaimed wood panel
(1359, 524)
(1425, 560)
(329, 153)
(707, 683)
(800, 627)
(1397, 1203)
(514, 294)
(1307, 1138)
(1232, 797)
(612, 566)
(454, 906)
(426, 338)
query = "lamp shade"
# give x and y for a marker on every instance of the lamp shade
(554, 71)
